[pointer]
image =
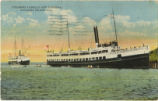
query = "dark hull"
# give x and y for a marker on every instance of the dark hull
(19, 63)
(133, 62)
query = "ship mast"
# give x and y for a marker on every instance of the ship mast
(15, 47)
(114, 26)
(68, 35)
(59, 24)
(67, 26)
(22, 46)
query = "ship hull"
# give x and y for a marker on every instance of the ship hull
(133, 62)
(19, 63)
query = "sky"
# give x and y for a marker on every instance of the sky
(38, 24)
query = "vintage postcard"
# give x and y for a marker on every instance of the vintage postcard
(79, 50)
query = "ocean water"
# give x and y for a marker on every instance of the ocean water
(66, 83)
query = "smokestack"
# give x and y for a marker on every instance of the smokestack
(95, 35)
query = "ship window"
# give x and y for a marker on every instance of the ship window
(99, 52)
(93, 52)
(100, 58)
(93, 58)
(104, 57)
(74, 54)
(49, 55)
(104, 51)
(119, 56)
(96, 58)
(55, 55)
(64, 54)
(84, 53)
(86, 59)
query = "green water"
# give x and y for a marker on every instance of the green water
(78, 83)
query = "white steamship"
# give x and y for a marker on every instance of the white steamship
(108, 55)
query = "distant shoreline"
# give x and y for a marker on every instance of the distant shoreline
(153, 60)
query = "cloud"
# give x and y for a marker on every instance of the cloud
(124, 25)
(32, 22)
(84, 26)
(58, 14)
(76, 26)
(19, 20)
(12, 18)
(105, 24)
(9, 17)
(88, 21)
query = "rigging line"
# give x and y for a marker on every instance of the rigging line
(91, 38)
(22, 46)
(15, 46)
(115, 26)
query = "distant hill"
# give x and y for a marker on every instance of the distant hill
(154, 55)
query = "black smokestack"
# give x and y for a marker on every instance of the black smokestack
(97, 34)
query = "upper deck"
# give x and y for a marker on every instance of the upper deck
(99, 52)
